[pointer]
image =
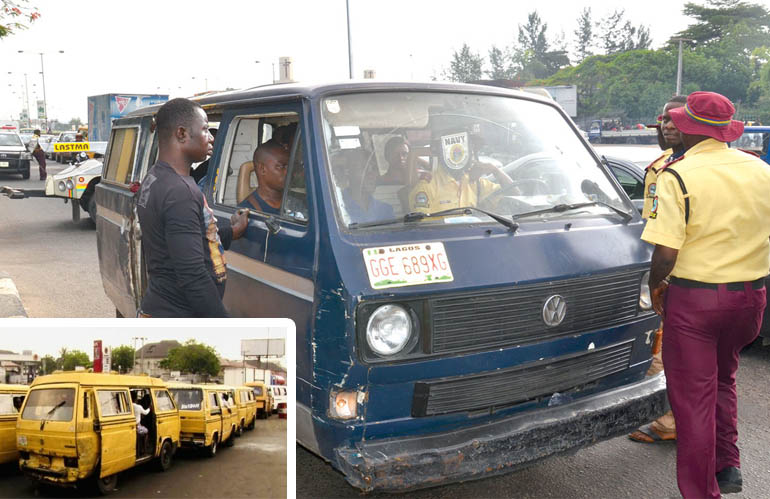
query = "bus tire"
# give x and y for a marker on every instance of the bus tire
(105, 485)
(211, 450)
(239, 429)
(166, 456)
(231, 441)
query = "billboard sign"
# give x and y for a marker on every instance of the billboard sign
(264, 347)
(97, 356)
(107, 359)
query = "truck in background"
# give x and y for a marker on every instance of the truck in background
(103, 109)
(610, 132)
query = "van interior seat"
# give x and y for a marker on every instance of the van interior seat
(244, 187)
(391, 194)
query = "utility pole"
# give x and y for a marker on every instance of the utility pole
(679, 64)
(142, 339)
(350, 46)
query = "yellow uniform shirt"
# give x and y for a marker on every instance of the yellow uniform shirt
(443, 192)
(726, 237)
(650, 181)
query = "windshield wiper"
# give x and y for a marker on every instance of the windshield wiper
(50, 413)
(414, 216)
(559, 208)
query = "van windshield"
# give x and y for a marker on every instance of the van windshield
(50, 404)
(10, 139)
(257, 391)
(187, 399)
(393, 153)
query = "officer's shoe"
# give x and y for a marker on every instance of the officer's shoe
(730, 480)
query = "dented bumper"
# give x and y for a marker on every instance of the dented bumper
(501, 446)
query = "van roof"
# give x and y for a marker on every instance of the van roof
(306, 90)
(210, 386)
(97, 379)
(13, 388)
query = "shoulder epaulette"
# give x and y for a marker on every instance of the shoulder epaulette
(655, 161)
(666, 165)
(685, 194)
(753, 153)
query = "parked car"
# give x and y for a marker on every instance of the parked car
(756, 140)
(429, 348)
(14, 157)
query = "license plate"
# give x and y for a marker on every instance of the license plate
(3, 164)
(407, 265)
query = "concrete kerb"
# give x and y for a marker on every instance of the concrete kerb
(10, 301)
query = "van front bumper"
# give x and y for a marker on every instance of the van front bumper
(498, 447)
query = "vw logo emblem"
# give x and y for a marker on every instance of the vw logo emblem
(554, 310)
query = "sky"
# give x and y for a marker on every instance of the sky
(48, 336)
(181, 47)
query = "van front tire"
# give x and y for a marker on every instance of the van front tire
(165, 458)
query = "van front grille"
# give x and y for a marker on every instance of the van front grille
(514, 316)
(520, 384)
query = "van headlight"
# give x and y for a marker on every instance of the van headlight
(61, 186)
(389, 329)
(70, 185)
(645, 298)
(26, 155)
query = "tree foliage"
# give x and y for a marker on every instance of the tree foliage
(719, 19)
(500, 65)
(69, 360)
(16, 15)
(465, 65)
(619, 35)
(47, 364)
(123, 358)
(584, 35)
(193, 358)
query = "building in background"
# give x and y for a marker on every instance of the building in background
(147, 358)
(18, 368)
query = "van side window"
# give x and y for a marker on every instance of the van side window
(6, 404)
(240, 181)
(295, 199)
(120, 159)
(164, 402)
(113, 402)
(213, 402)
(85, 405)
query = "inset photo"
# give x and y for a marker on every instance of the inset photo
(165, 410)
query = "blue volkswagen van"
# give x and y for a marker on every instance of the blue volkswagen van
(466, 278)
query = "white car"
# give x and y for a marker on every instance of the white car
(279, 396)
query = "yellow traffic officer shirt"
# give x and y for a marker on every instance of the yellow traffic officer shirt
(650, 181)
(726, 236)
(443, 192)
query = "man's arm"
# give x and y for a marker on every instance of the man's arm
(183, 216)
(663, 261)
(481, 168)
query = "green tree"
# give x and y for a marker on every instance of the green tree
(533, 58)
(465, 65)
(500, 66)
(719, 19)
(584, 35)
(69, 360)
(47, 364)
(16, 15)
(123, 358)
(619, 35)
(193, 358)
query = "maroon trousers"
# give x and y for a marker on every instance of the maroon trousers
(40, 157)
(705, 332)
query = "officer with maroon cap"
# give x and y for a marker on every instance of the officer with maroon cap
(708, 223)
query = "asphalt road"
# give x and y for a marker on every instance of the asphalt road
(52, 261)
(617, 468)
(254, 467)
